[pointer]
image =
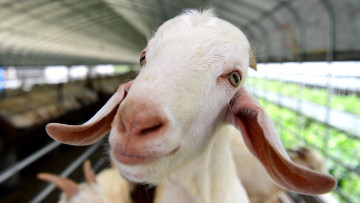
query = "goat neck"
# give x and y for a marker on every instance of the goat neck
(211, 177)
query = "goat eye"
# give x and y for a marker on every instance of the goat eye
(234, 78)
(142, 59)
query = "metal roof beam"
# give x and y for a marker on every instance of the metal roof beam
(332, 29)
(263, 31)
(269, 14)
(59, 38)
(301, 27)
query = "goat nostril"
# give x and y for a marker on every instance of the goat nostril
(151, 129)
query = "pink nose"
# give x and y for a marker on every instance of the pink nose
(142, 120)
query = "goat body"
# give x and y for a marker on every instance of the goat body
(174, 120)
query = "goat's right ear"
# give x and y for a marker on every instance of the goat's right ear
(262, 140)
(95, 128)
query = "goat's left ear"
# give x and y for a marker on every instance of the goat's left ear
(262, 140)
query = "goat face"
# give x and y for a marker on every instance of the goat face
(180, 95)
(193, 70)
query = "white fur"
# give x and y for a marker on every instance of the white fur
(185, 80)
(109, 188)
(87, 193)
(211, 177)
(119, 189)
(173, 121)
(184, 76)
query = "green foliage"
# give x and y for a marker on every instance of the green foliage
(343, 148)
(347, 182)
(348, 103)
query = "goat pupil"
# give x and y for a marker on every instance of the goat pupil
(235, 78)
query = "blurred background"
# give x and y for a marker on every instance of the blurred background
(60, 60)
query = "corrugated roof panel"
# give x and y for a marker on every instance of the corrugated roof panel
(96, 31)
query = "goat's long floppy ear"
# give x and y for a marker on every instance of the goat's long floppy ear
(95, 128)
(262, 140)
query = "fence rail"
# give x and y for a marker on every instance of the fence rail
(27, 161)
(39, 197)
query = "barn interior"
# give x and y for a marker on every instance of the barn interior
(61, 60)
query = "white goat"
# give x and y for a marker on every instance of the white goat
(175, 120)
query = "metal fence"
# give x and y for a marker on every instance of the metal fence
(313, 105)
(41, 195)
(27, 150)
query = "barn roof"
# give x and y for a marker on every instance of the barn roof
(68, 32)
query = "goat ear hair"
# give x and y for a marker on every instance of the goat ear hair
(252, 59)
(95, 128)
(262, 140)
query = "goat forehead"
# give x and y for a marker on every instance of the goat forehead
(198, 38)
(192, 50)
(200, 25)
(195, 50)
(210, 42)
(184, 55)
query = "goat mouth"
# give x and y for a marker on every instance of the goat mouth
(137, 159)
